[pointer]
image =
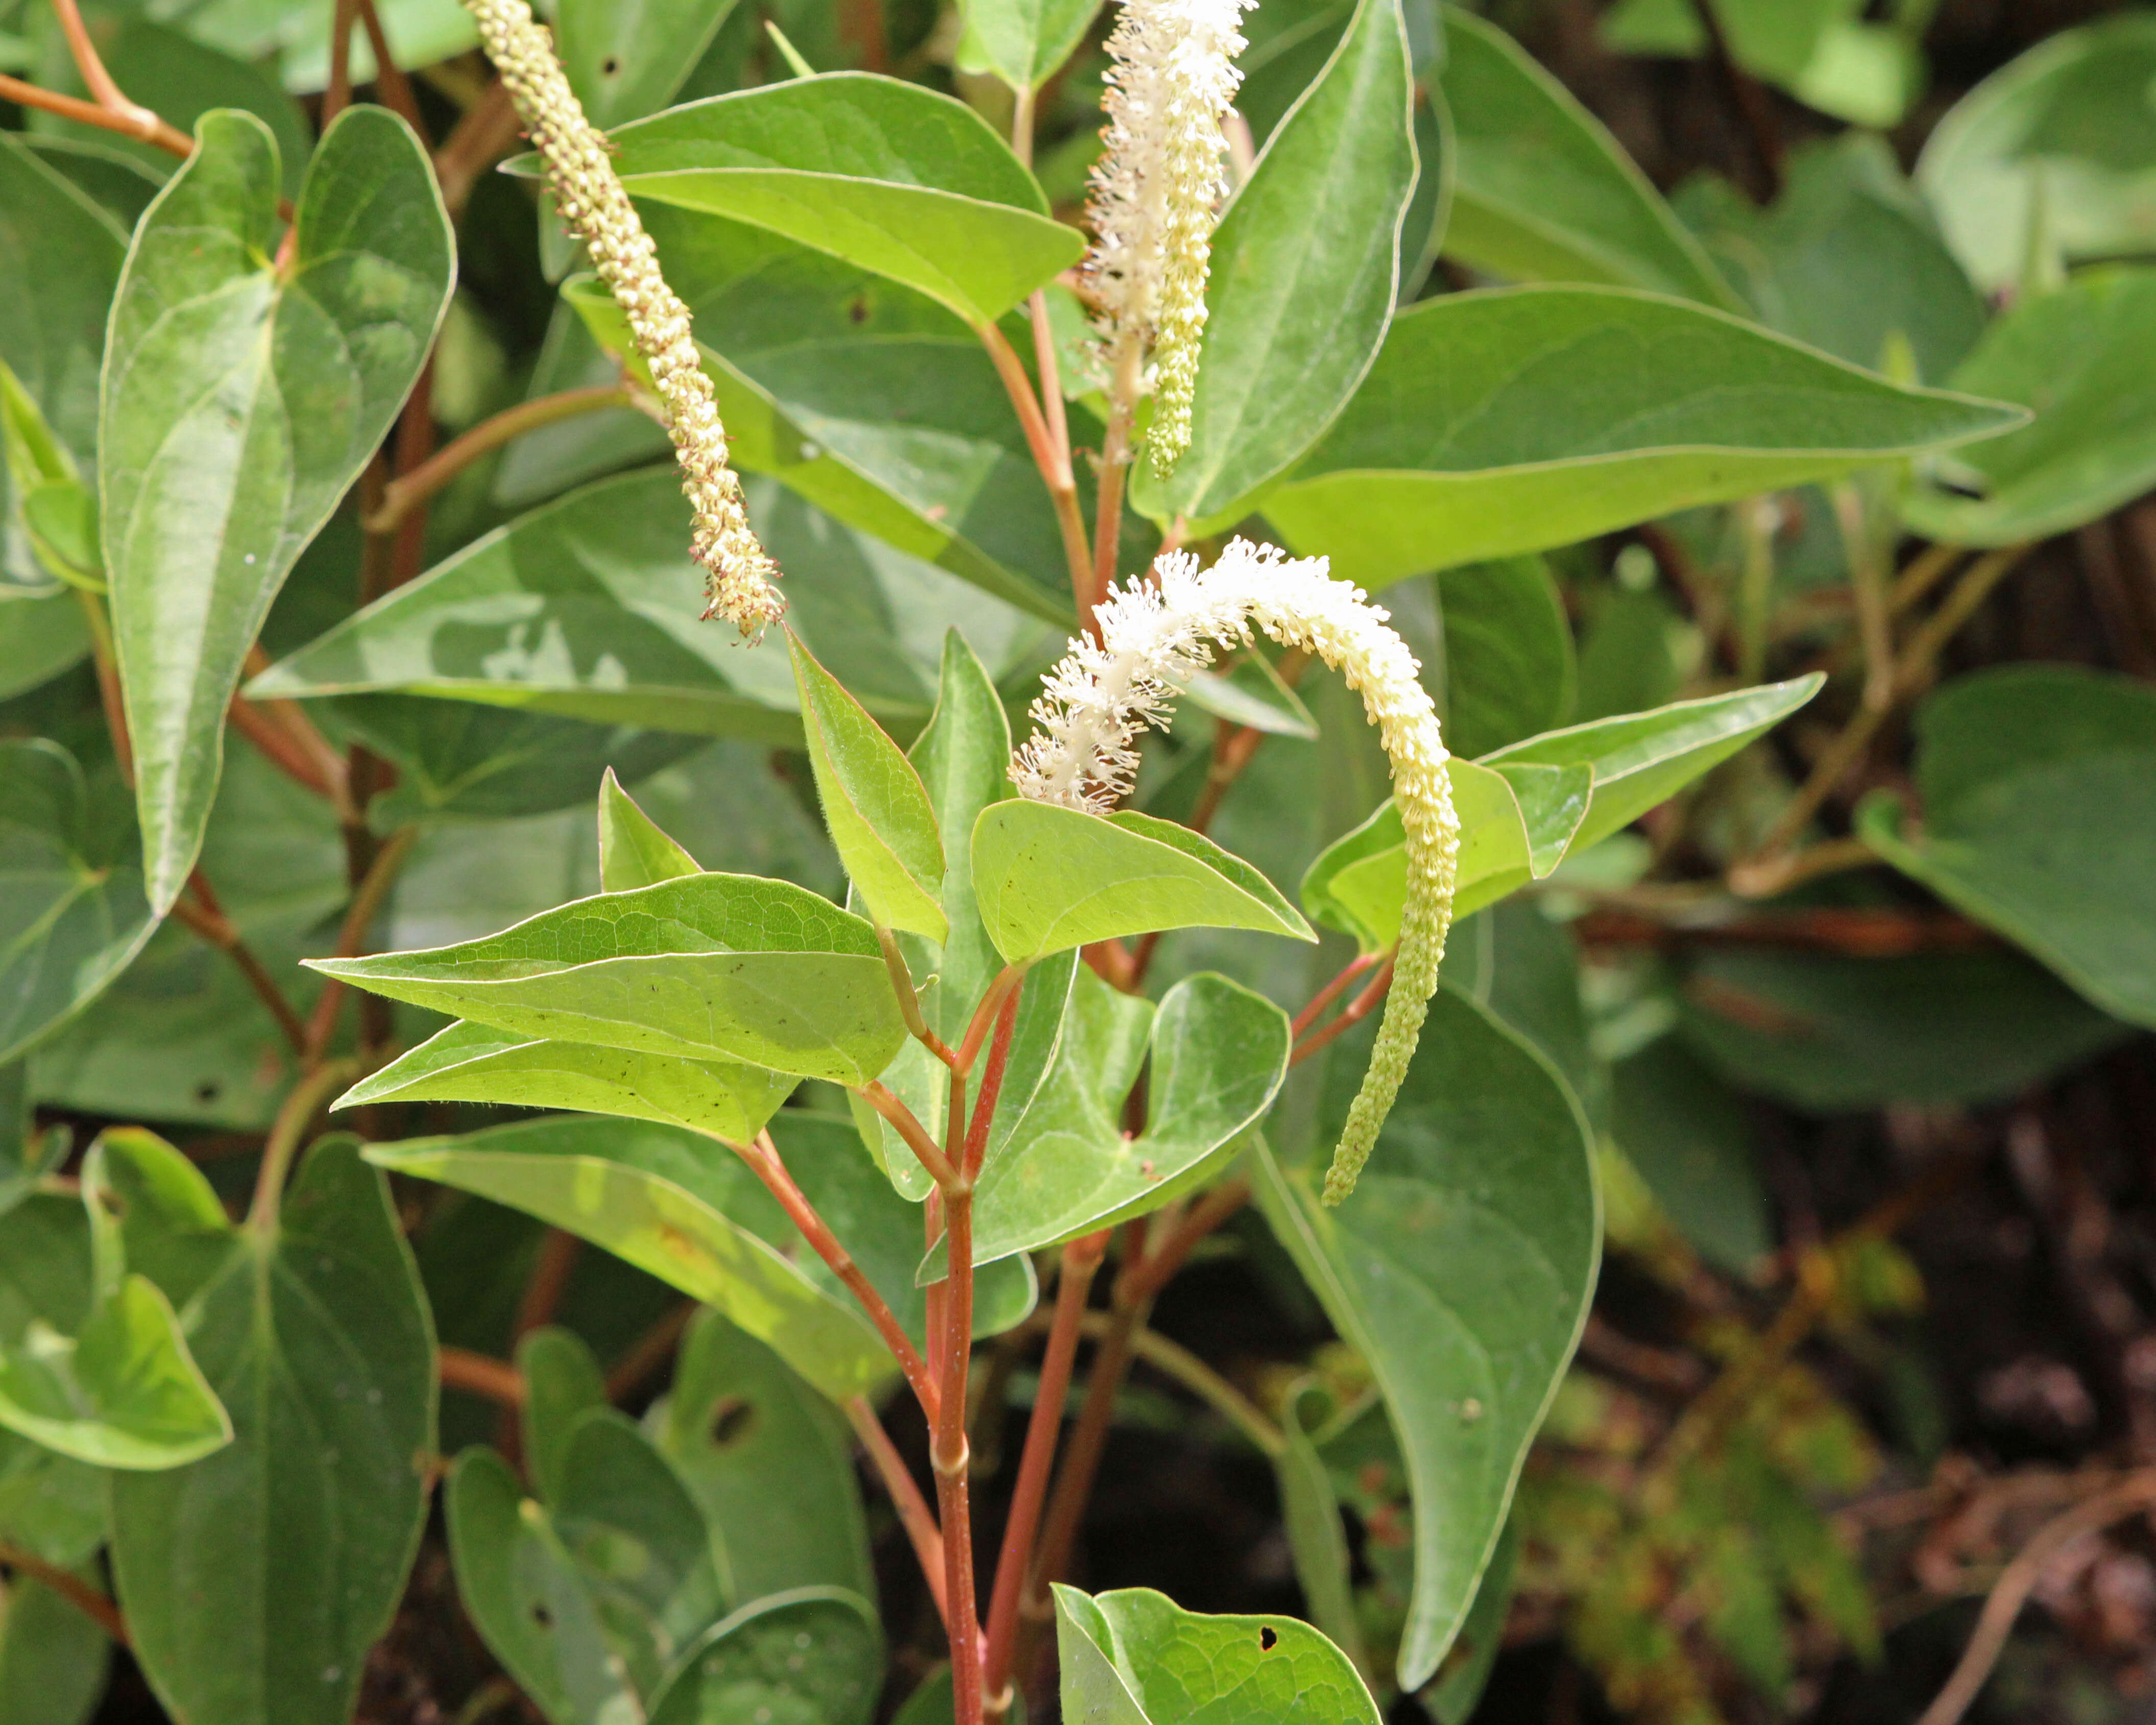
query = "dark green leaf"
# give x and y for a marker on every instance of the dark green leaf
(813, 1655)
(53, 1658)
(72, 912)
(1219, 1053)
(1509, 670)
(2037, 820)
(240, 400)
(50, 1505)
(1688, 1137)
(1135, 1657)
(1305, 267)
(1542, 192)
(625, 61)
(254, 1581)
(1522, 417)
(1048, 878)
(562, 1382)
(875, 808)
(42, 633)
(770, 1464)
(894, 177)
(1461, 1272)
(1311, 1512)
(2084, 359)
(724, 966)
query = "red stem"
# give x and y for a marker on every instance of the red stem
(991, 1086)
(914, 1514)
(951, 1458)
(1360, 1008)
(1329, 992)
(1082, 1258)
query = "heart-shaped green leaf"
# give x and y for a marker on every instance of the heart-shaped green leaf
(72, 910)
(2037, 820)
(875, 805)
(475, 1063)
(1048, 878)
(632, 851)
(2084, 360)
(731, 967)
(1023, 41)
(1461, 1272)
(1135, 1658)
(1541, 191)
(241, 398)
(255, 1581)
(769, 1461)
(898, 179)
(1641, 759)
(1219, 1054)
(1305, 268)
(1522, 417)
(814, 1655)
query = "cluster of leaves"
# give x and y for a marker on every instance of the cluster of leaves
(262, 706)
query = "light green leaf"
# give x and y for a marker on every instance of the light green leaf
(1251, 692)
(2052, 155)
(1135, 1658)
(254, 1581)
(1023, 42)
(728, 966)
(2038, 823)
(42, 633)
(1048, 878)
(72, 912)
(53, 1657)
(632, 851)
(472, 1063)
(679, 1206)
(1219, 1054)
(768, 1460)
(2084, 359)
(1451, 1696)
(1641, 759)
(626, 61)
(561, 1381)
(1516, 825)
(1509, 665)
(875, 805)
(529, 1601)
(1542, 192)
(240, 400)
(1305, 264)
(898, 179)
(814, 1656)
(1461, 1272)
(1829, 1033)
(1522, 417)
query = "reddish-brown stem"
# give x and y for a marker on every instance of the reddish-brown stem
(878, 1095)
(31, 95)
(390, 82)
(950, 1455)
(486, 133)
(1172, 1253)
(909, 999)
(1081, 1260)
(401, 495)
(914, 1514)
(77, 1592)
(414, 444)
(650, 1351)
(1052, 388)
(1051, 455)
(1360, 1008)
(352, 934)
(336, 95)
(763, 1160)
(199, 909)
(1004, 986)
(1331, 992)
(135, 119)
(557, 1262)
(992, 1087)
(279, 746)
(481, 1375)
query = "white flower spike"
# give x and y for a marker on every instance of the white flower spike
(1155, 195)
(1154, 638)
(597, 211)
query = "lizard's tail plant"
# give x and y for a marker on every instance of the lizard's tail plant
(1156, 191)
(1155, 637)
(597, 209)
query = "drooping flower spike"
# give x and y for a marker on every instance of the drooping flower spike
(1153, 637)
(1156, 191)
(597, 209)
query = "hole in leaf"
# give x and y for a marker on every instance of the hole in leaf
(611, 65)
(541, 1616)
(206, 1091)
(731, 1420)
(1266, 1639)
(857, 309)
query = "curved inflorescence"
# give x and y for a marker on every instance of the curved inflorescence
(597, 211)
(1153, 637)
(1155, 194)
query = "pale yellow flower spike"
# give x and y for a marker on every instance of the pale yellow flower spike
(1154, 637)
(597, 211)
